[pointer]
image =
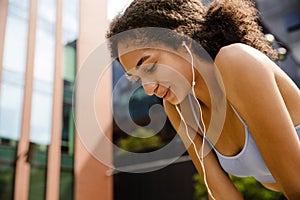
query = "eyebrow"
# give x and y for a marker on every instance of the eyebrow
(141, 61)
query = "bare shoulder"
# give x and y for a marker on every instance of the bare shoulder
(241, 66)
(241, 56)
(238, 49)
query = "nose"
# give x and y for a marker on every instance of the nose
(150, 87)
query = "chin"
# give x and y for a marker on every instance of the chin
(175, 100)
(180, 97)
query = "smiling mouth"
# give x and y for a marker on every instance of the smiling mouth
(166, 95)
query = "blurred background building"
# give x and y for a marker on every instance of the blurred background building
(43, 43)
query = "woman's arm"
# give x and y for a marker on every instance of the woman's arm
(252, 88)
(218, 181)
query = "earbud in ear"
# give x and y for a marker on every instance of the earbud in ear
(186, 47)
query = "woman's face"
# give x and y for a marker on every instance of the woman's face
(161, 72)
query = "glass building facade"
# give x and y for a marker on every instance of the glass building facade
(15, 55)
(34, 36)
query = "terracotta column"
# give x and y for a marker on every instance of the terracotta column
(91, 181)
(54, 152)
(22, 167)
(3, 18)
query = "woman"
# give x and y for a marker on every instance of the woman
(260, 133)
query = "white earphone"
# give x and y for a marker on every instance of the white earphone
(202, 128)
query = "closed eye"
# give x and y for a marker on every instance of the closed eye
(151, 69)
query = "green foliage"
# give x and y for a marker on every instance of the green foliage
(249, 187)
(200, 190)
(141, 140)
(6, 182)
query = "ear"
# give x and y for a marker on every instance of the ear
(186, 46)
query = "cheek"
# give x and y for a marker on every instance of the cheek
(178, 83)
(176, 67)
(173, 75)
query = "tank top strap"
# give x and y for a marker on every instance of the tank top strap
(237, 114)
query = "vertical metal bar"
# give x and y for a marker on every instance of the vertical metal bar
(22, 178)
(54, 152)
(3, 19)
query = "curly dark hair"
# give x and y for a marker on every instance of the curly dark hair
(221, 23)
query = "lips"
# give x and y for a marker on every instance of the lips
(164, 94)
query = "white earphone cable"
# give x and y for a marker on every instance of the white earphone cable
(201, 159)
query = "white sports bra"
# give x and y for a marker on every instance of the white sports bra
(248, 162)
